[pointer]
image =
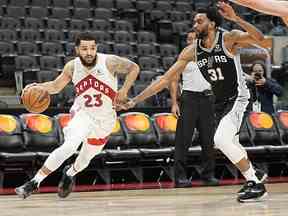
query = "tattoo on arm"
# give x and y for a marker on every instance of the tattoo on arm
(120, 65)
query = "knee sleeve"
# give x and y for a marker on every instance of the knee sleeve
(227, 141)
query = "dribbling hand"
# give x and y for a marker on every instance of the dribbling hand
(27, 87)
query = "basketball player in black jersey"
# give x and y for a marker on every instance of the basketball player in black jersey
(213, 53)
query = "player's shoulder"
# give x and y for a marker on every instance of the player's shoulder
(70, 63)
(69, 66)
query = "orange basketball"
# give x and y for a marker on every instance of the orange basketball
(36, 99)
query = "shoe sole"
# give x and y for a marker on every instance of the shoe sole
(262, 180)
(259, 199)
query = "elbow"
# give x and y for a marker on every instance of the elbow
(260, 38)
(135, 69)
(166, 82)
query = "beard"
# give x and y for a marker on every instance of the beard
(202, 35)
(87, 64)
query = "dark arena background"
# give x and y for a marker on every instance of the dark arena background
(134, 174)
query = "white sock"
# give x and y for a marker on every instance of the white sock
(250, 175)
(39, 177)
(71, 171)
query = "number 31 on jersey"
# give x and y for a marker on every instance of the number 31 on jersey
(215, 74)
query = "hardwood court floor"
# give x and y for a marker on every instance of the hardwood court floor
(198, 201)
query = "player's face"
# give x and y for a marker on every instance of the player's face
(87, 52)
(201, 25)
(191, 36)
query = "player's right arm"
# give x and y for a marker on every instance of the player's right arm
(187, 55)
(55, 86)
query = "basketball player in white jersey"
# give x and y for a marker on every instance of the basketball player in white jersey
(94, 76)
(271, 7)
(214, 56)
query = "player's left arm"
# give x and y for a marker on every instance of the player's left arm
(236, 36)
(250, 42)
(120, 65)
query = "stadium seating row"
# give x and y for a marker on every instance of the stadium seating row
(138, 142)
(133, 130)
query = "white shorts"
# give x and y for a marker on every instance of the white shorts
(91, 130)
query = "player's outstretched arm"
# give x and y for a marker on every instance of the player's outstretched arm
(120, 65)
(175, 70)
(272, 7)
(55, 86)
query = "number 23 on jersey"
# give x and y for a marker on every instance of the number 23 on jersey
(93, 101)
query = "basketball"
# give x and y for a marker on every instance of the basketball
(36, 99)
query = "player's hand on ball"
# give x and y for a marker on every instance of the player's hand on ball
(27, 87)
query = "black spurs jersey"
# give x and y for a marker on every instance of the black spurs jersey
(222, 70)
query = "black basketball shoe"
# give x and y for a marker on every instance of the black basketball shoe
(253, 193)
(66, 184)
(26, 189)
(261, 175)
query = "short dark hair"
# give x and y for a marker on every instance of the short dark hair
(84, 36)
(212, 14)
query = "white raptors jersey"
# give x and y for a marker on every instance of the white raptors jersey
(95, 88)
